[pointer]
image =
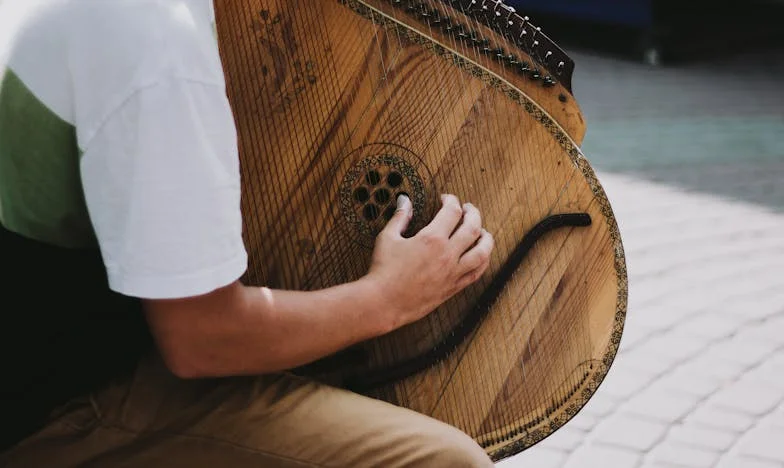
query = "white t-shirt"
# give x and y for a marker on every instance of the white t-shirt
(141, 83)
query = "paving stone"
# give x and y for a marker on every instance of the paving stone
(769, 329)
(536, 456)
(769, 373)
(702, 437)
(566, 438)
(584, 421)
(601, 455)
(711, 365)
(748, 396)
(759, 306)
(777, 417)
(681, 455)
(690, 296)
(705, 255)
(649, 361)
(635, 334)
(743, 350)
(659, 316)
(629, 432)
(663, 352)
(710, 325)
(716, 417)
(763, 442)
(696, 257)
(740, 461)
(622, 383)
(600, 404)
(660, 405)
(683, 381)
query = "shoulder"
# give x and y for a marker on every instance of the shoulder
(98, 53)
(154, 36)
(140, 43)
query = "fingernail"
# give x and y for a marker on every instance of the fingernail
(401, 201)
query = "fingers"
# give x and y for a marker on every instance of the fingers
(399, 222)
(447, 218)
(469, 231)
(478, 258)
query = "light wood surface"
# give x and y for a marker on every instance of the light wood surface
(340, 104)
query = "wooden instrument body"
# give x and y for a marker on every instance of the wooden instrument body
(342, 104)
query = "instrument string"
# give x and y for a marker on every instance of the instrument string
(303, 65)
(383, 351)
(443, 145)
(473, 291)
(250, 163)
(273, 167)
(540, 192)
(492, 350)
(325, 163)
(539, 261)
(338, 149)
(382, 346)
(507, 238)
(349, 264)
(486, 128)
(394, 114)
(555, 360)
(466, 185)
(323, 166)
(291, 169)
(516, 287)
(396, 349)
(478, 368)
(539, 300)
(440, 72)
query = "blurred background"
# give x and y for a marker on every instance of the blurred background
(684, 104)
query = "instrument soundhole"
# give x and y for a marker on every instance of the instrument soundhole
(361, 194)
(370, 212)
(394, 179)
(374, 176)
(381, 196)
(389, 213)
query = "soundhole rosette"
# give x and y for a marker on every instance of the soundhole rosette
(374, 176)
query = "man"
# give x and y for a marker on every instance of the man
(128, 339)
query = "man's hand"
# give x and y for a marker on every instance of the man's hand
(415, 275)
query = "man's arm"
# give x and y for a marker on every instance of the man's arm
(240, 330)
(247, 330)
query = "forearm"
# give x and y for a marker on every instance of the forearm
(247, 330)
(241, 330)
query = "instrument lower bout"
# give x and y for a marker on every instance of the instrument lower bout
(341, 105)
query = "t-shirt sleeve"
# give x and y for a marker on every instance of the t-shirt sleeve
(162, 186)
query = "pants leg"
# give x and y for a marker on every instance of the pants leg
(156, 420)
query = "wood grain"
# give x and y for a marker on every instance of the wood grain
(331, 99)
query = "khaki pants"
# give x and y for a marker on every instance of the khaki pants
(153, 419)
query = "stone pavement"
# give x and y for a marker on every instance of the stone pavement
(699, 378)
(693, 163)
